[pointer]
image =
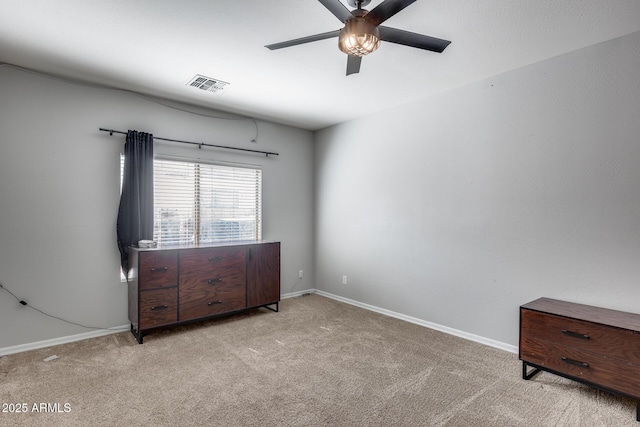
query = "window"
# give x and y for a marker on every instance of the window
(197, 203)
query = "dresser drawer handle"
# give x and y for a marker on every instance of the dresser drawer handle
(575, 334)
(575, 362)
(215, 303)
(216, 280)
(215, 258)
(155, 269)
(159, 307)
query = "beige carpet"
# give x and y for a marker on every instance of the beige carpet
(316, 363)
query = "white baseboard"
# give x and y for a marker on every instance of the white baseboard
(297, 293)
(62, 340)
(482, 340)
(477, 338)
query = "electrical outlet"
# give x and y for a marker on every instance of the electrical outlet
(300, 274)
(344, 280)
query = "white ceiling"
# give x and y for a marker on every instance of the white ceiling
(156, 46)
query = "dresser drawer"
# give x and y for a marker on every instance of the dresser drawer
(595, 368)
(227, 279)
(222, 275)
(212, 263)
(158, 307)
(608, 341)
(158, 269)
(201, 299)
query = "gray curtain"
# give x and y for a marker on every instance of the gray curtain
(135, 215)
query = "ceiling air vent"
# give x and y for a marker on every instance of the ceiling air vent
(207, 83)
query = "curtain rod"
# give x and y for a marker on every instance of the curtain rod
(199, 144)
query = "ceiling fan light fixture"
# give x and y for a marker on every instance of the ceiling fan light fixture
(359, 37)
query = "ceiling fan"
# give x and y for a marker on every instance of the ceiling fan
(362, 31)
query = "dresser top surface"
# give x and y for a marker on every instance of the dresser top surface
(203, 245)
(604, 316)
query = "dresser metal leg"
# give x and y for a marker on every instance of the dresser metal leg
(528, 375)
(137, 334)
(638, 411)
(277, 304)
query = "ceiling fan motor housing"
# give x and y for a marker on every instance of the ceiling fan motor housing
(358, 3)
(358, 37)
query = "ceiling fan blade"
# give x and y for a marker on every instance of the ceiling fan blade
(338, 9)
(353, 64)
(386, 10)
(407, 38)
(303, 40)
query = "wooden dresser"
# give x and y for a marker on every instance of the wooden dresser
(592, 345)
(171, 286)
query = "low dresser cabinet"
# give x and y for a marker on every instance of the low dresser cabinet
(592, 345)
(179, 285)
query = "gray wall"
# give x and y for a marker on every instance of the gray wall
(454, 209)
(458, 208)
(59, 195)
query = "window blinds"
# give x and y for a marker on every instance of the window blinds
(197, 203)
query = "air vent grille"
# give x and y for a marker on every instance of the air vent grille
(207, 83)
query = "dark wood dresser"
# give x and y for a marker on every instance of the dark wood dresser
(171, 286)
(595, 346)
